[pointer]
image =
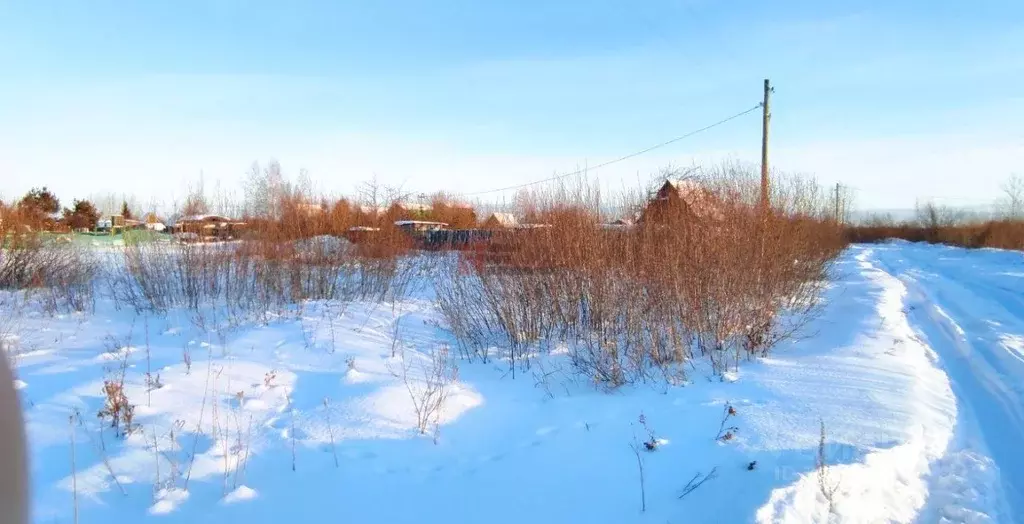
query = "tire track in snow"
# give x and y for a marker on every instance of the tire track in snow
(966, 324)
(889, 483)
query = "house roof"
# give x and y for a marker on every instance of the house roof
(419, 222)
(700, 199)
(686, 187)
(205, 218)
(504, 219)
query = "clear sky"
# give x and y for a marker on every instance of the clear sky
(900, 100)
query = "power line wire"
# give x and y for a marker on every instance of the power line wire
(622, 158)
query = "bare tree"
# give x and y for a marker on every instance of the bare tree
(934, 217)
(195, 202)
(1012, 203)
(264, 187)
(378, 196)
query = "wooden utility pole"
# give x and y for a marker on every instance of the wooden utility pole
(766, 116)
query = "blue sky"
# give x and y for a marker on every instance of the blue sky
(901, 100)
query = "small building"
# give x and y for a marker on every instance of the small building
(360, 234)
(153, 223)
(208, 228)
(419, 226)
(681, 196)
(115, 224)
(500, 221)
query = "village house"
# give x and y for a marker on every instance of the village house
(687, 197)
(500, 221)
(360, 234)
(208, 228)
(419, 226)
(153, 223)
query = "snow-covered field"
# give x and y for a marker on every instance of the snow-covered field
(915, 368)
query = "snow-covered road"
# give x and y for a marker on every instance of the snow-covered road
(968, 306)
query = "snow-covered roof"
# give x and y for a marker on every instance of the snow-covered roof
(685, 187)
(204, 218)
(504, 219)
(698, 198)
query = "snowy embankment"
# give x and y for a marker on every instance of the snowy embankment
(313, 418)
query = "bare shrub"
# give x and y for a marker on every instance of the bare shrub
(116, 405)
(826, 485)
(943, 226)
(428, 385)
(652, 441)
(705, 273)
(278, 265)
(49, 268)
(636, 448)
(726, 433)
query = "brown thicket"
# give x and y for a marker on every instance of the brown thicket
(58, 272)
(712, 277)
(706, 276)
(297, 251)
(943, 225)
